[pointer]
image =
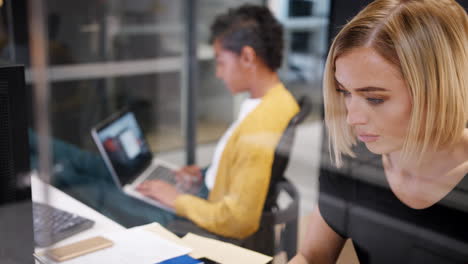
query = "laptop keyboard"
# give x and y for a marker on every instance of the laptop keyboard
(52, 225)
(164, 174)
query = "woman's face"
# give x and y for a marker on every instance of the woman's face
(377, 99)
(229, 69)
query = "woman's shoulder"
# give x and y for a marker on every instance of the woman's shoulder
(273, 114)
(457, 198)
(279, 100)
(462, 171)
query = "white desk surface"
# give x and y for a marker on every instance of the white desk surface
(65, 202)
(103, 224)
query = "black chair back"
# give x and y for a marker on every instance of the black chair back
(283, 152)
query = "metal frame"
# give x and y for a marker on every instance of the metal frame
(190, 82)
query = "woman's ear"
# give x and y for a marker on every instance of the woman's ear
(248, 57)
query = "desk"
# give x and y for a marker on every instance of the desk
(202, 246)
(65, 202)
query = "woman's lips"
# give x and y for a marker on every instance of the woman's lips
(368, 138)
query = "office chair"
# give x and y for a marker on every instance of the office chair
(278, 226)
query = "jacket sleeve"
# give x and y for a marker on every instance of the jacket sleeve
(238, 213)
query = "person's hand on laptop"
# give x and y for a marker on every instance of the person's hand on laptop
(159, 190)
(191, 171)
(189, 178)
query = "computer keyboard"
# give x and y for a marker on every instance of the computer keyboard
(164, 174)
(52, 225)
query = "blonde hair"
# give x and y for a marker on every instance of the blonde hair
(427, 40)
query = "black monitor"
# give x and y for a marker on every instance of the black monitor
(16, 224)
(341, 11)
(463, 3)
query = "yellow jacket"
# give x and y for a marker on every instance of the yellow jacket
(235, 203)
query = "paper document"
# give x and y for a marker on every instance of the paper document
(162, 232)
(130, 246)
(222, 252)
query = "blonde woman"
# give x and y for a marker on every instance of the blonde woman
(396, 81)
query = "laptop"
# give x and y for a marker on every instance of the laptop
(128, 156)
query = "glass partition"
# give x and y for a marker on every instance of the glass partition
(105, 57)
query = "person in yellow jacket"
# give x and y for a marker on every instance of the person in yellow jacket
(248, 43)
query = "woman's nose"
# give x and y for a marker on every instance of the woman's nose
(356, 113)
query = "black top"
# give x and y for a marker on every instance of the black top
(362, 207)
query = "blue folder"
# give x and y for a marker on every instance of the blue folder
(184, 259)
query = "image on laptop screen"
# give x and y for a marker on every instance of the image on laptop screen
(125, 146)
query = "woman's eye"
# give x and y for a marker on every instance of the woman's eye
(344, 92)
(375, 101)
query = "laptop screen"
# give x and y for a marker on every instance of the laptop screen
(121, 140)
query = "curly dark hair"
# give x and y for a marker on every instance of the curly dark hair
(254, 26)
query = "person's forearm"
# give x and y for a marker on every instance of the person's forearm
(298, 259)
